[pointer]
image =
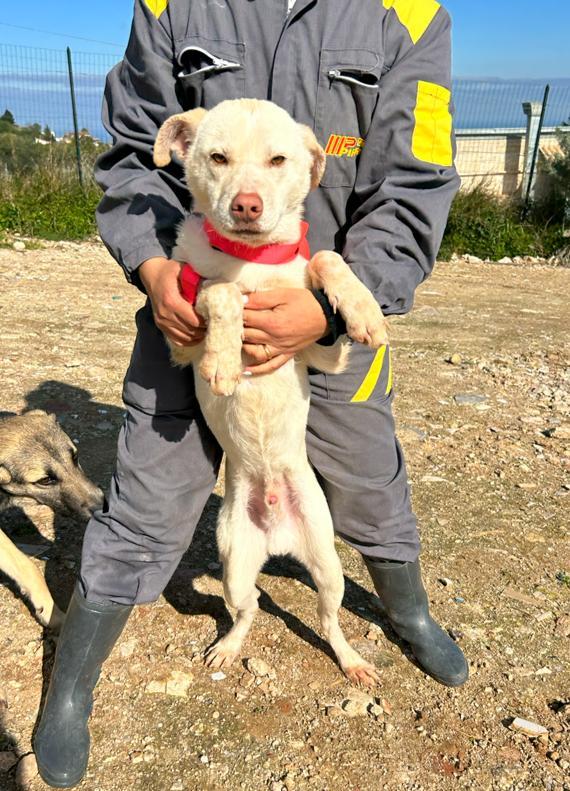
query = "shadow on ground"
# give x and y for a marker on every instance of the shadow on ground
(94, 427)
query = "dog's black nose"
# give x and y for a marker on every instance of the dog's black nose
(247, 206)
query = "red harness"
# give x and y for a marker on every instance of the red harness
(264, 254)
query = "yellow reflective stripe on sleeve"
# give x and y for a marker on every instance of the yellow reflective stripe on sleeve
(431, 141)
(414, 15)
(156, 6)
(390, 374)
(369, 382)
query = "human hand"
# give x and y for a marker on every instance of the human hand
(172, 313)
(278, 324)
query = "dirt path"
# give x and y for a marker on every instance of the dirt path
(486, 439)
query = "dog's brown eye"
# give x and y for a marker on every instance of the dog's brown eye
(277, 161)
(47, 481)
(219, 159)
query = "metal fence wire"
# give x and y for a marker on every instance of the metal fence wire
(499, 136)
(34, 86)
(492, 130)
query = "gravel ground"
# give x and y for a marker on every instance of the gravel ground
(483, 413)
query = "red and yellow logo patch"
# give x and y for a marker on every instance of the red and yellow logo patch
(344, 146)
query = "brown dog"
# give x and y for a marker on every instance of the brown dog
(38, 460)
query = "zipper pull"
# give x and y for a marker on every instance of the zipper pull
(220, 63)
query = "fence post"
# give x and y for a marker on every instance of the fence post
(74, 112)
(532, 111)
(535, 112)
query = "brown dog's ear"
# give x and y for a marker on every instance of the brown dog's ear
(318, 154)
(177, 134)
(5, 476)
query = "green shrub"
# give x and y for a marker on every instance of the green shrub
(39, 189)
(45, 199)
(556, 206)
(487, 226)
(48, 205)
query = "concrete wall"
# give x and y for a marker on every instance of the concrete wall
(496, 159)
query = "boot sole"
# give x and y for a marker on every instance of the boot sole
(58, 782)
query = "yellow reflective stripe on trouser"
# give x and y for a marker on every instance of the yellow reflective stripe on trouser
(414, 15)
(431, 141)
(371, 379)
(389, 382)
(156, 6)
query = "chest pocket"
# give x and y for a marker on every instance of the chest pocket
(210, 71)
(346, 97)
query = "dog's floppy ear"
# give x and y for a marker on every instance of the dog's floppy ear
(318, 154)
(5, 476)
(177, 134)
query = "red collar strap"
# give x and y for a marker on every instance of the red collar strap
(265, 254)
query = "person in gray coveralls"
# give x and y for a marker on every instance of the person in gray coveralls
(372, 78)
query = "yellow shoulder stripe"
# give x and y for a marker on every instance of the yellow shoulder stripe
(431, 140)
(415, 15)
(156, 6)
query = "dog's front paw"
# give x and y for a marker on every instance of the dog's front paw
(365, 322)
(222, 371)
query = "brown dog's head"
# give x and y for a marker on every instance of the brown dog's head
(248, 165)
(38, 460)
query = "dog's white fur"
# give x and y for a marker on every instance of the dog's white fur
(273, 503)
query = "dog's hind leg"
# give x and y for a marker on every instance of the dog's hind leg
(241, 593)
(243, 551)
(20, 568)
(315, 549)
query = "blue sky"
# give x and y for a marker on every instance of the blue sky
(492, 38)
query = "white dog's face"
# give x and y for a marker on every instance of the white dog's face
(248, 165)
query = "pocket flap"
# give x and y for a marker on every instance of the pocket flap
(353, 61)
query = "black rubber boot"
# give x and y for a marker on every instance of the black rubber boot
(405, 603)
(89, 633)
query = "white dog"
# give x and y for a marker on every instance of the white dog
(249, 167)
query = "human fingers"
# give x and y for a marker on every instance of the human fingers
(254, 336)
(187, 344)
(259, 319)
(179, 331)
(259, 352)
(266, 300)
(186, 313)
(169, 322)
(272, 365)
(179, 338)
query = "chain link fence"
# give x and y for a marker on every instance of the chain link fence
(494, 136)
(34, 86)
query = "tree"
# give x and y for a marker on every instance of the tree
(8, 118)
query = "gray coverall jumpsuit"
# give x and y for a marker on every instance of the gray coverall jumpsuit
(372, 78)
